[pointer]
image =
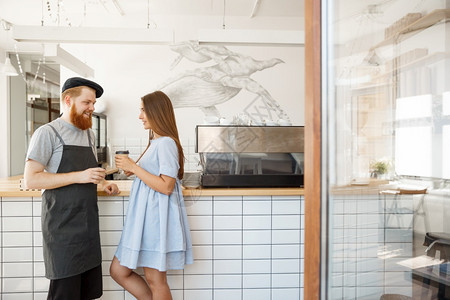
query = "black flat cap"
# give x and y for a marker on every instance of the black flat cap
(78, 81)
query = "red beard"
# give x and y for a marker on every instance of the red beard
(80, 120)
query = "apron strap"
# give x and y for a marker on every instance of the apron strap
(57, 134)
(89, 138)
(62, 141)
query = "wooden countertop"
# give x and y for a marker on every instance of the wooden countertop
(10, 187)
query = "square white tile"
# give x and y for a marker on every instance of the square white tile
(228, 266)
(286, 251)
(256, 266)
(201, 237)
(257, 222)
(286, 293)
(227, 222)
(199, 267)
(257, 237)
(198, 208)
(227, 237)
(227, 281)
(111, 208)
(200, 222)
(286, 222)
(17, 239)
(228, 252)
(286, 207)
(224, 208)
(18, 269)
(286, 236)
(17, 285)
(17, 224)
(111, 223)
(113, 295)
(17, 208)
(259, 294)
(257, 251)
(197, 294)
(254, 281)
(109, 284)
(284, 266)
(41, 284)
(175, 281)
(197, 281)
(110, 238)
(39, 269)
(227, 294)
(202, 252)
(257, 208)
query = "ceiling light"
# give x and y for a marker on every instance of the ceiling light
(268, 37)
(5, 24)
(8, 69)
(91, 35)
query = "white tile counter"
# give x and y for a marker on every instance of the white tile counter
(245, 246)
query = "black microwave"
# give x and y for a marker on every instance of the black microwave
(99, 124)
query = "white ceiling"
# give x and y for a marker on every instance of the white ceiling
(353, 17)
(31, 11)
(137, 13)
(80, 13)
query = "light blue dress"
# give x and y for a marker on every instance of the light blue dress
(156, 231)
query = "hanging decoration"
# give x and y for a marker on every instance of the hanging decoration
(154, 25)
(36, 74)
(55, 16)
(19, 64)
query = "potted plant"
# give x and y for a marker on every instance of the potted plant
(379, 167)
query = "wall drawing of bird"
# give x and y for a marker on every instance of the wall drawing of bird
(206, 87)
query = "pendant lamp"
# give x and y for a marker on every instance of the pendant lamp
(8, 69)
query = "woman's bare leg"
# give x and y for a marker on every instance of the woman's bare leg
(130, 281)
(158, 284)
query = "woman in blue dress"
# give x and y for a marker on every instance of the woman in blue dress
(156, 232)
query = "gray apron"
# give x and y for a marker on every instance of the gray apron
(70, 229)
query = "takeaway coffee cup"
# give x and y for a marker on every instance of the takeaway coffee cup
(122, 153)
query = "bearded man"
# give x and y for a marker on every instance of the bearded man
(62, 161)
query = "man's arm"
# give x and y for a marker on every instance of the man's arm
(36, 178)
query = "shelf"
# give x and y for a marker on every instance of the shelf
(374, 87)
(426, 21)
(425, 60)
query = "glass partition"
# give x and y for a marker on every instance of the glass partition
(387, 120)
(43, 97)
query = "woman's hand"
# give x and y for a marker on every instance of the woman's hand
(128, 173)
(126, 164)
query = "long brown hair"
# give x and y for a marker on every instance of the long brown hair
(159, 112)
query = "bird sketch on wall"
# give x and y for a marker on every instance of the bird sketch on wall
(206, 87)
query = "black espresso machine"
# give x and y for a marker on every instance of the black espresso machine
(251, 156)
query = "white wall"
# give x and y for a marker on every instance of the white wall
(4, 121)
(127, 72)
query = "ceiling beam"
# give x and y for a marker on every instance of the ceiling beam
(91, 35)
(252, 37)
(55, 53)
